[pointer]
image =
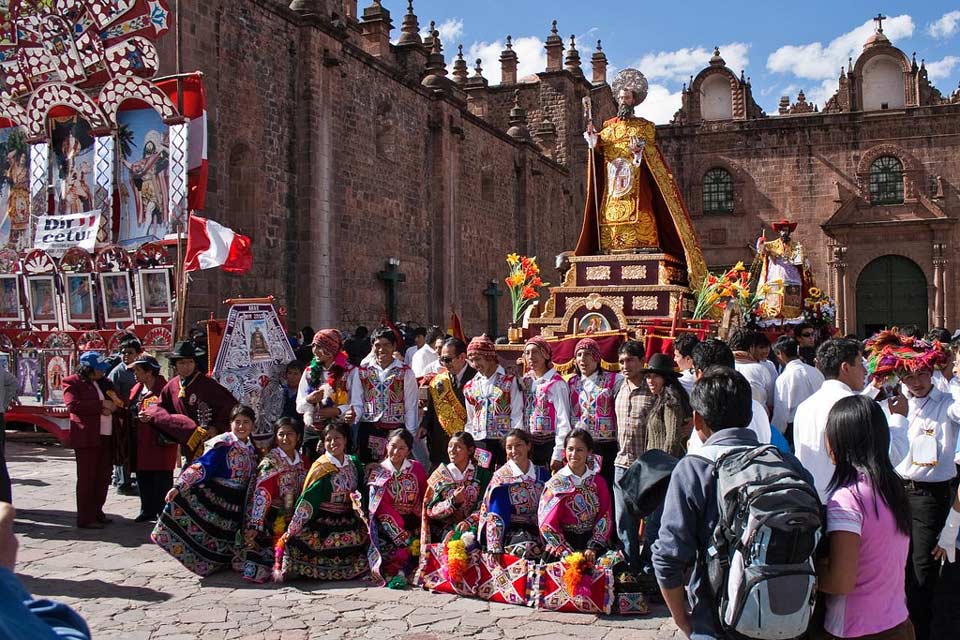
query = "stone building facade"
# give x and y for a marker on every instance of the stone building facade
(339, 141)
(872, 180)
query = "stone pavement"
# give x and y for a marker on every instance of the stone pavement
(127, 588)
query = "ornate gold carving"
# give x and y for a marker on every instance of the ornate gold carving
(625, 257)
(633, 272)
(645, 303)
(625, 288)
(668, 274)
(570, 277)
(599, 272)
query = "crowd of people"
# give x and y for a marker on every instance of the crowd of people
(375, 461)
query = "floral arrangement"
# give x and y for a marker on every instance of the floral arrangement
(455, 554)
(890, 353)
(818, 308)
(524, 283)
(576, 569)
(718, 291)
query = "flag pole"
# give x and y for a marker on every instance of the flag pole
(182, 286)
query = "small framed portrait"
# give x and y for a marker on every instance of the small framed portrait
(43, 305)
(56, 367)
(155, 293)
(79, 288)
(10, 298)
(593, 323)
(256, 334)
(117, 297)
(28, 375)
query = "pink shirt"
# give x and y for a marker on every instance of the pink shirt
(878, 601)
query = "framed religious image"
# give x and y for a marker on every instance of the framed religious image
(28, 376)
(117, 297)
(5, 362)
(56, 367)
(256, 339)
(593, 323)
(10, 307)
(155, 293)
(79, 287)
(42, 294)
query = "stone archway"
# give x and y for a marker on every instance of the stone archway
(891, 291)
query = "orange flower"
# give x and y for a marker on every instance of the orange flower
(536, 282)
(529, 293)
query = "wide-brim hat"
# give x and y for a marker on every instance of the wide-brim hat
(784, 225)
(662, 364)
(184, 349)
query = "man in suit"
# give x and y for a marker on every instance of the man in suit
(446, 411)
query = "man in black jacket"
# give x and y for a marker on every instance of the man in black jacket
(446, 411)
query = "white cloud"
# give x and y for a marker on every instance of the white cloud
(680, 64)
(660, 104)
(818, 62)
(942, 68)
(451, 30)
(531, 57)
(945, 27)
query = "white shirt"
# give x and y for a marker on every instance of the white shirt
(687, 378)
(455, 471)
(759, 424)
(354, 395)
(559, 395)
(531, 473)
(577, 480)
(484, 387)
(408, 355)
(938, 414)
(296, 456)
(388, 465)
(796, 383)
(761, 384)
(106, 422)
(423, 358)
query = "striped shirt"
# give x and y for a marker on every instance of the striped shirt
(631, 405)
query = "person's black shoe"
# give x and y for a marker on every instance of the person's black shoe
(144, 517)
(127, 490)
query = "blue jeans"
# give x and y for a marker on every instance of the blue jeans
(628, 527)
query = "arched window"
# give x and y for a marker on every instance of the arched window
(886, 181)
(717, 191)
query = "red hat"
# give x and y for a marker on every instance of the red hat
(482, 346)
(590, 345)
(784, 225)
(329, 340)
(543, 345)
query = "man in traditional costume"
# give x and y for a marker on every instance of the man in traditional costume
(191, 393)
(782, 261)
(633, 204)
(546, 403)
(446, 407)
(494, 400)
(593, 392)
(390, 398)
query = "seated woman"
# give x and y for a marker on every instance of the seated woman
(575, 513)
(205, 508)
(327, 537)
(397, 486)
(508, 513)
(276, 487)
(454, 491)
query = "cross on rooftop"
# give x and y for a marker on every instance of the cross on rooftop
(879, 20)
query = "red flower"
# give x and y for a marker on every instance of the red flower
(529, 293)
(524, 263)
(536, 282)
(712, 280)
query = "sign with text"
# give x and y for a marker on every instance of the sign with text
(56, 234)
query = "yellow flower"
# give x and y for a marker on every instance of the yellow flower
(815, 292)
(517, 279)
(512, 259)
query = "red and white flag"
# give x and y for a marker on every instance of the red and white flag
(211, 245)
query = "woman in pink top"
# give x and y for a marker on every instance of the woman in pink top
(868, 524)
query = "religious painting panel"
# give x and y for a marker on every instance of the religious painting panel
(155, 293)
(593, 323)
(72, 165)
(14, 188)
(41, 291)
(5, 362)
(10, 307)
(28, 375)
(79, 288)
(57, 365)
(144, 156)
(117, 297)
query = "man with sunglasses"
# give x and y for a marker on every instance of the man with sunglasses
(446, 410)
(806, 337)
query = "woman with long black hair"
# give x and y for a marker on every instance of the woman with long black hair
(868, 524)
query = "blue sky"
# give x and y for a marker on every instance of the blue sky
(783, 46)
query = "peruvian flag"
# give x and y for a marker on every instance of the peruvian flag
(195, 110)
(212, 245)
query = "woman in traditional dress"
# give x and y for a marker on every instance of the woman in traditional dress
(454, 490)
(205, 508)
(327, 537)
(575, 512)
(277, 485)
(508, 514)
(397, 486)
